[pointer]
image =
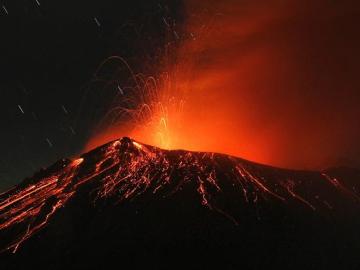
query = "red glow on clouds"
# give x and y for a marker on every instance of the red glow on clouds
(270, 81)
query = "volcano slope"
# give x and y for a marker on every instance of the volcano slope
(130, 204)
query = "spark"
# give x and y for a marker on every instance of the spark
(37, 2)
(153, 106)
(21, 109)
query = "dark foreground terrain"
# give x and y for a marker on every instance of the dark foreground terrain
(126, 204)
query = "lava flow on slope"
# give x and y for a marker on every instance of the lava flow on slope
(150, 199)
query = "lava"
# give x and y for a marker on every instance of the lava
(124, 169)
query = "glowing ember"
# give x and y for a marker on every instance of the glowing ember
(137, 145)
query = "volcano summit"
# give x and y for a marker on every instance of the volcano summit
(127, 203)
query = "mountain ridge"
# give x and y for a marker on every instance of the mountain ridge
(126, 186)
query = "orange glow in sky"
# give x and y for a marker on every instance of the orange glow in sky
(263, 80)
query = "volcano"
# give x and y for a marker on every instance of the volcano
(130, 204)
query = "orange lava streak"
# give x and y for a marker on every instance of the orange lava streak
(29, 202)
(28, 192)
(341, 187)
(290, 187)
(248, 176)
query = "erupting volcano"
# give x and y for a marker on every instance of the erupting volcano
(137, 203)
(214, 134)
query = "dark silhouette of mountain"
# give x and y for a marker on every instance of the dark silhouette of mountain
(126, 204)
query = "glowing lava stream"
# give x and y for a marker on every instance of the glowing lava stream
(124, 169)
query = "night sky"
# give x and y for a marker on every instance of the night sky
(49, 52)
(272, 81)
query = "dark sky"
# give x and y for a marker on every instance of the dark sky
(49, 52)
